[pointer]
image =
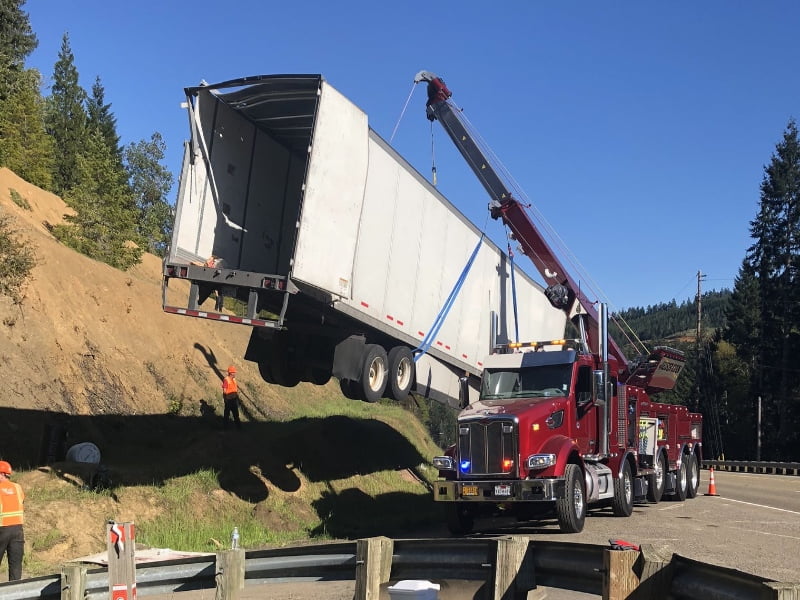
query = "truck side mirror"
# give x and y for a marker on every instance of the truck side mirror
(463, 392)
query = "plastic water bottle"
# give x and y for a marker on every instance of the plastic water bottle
(235, 538)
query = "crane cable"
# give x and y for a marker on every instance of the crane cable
(402, 112)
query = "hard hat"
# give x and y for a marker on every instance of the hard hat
(231, 369)
(5, 467)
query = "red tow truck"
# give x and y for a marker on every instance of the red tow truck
(560, 425)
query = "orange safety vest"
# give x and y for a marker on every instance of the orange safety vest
(229, 385)
(11, 500)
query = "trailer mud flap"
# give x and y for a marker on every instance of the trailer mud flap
(347, 358)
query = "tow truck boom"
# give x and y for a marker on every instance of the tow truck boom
(562, 290)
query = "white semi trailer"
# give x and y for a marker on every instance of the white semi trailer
(343, 256)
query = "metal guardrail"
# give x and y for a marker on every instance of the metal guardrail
(751, 466)
(578, 567)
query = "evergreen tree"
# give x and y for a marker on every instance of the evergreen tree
(150, 183)
(99, 116)
(104, 223)
(25, 147)
(66, 119)
(774, 259)
(17, 41)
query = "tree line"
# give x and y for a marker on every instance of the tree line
(67, 143)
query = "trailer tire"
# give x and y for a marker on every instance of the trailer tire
(283, 372)
(460, 520)
(374, 372)
(658, 481)
(266, 372)
(692, 475)
(622, 504)
(402, 372)
(681, 483)
(316, 375)
(349, 389)
(571, 509)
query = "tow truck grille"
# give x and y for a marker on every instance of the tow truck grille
(485, 446)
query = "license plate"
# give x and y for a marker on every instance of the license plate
(502, 490)
(469, 490)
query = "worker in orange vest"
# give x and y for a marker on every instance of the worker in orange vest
(230, 398)
(12, 538)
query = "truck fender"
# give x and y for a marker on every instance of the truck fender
(563, 447)
(627, 457)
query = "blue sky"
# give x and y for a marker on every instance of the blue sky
(639, 130)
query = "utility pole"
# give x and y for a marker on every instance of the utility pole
(700, 278)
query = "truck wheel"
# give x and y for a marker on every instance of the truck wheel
(402, 372)
(657, 481)
(459, 519)
(622, 504)
(693, 476)
(571, 509)
(283, 373)
(374, 372)
(681, 482)
(316, 375)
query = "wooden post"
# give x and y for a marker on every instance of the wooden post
(619, 580)
(654, 570)
(784, 591)
(73, 581)
(373, 566)
(513, 570)
(120, 543)
(230, 574)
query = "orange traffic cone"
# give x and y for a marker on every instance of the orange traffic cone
(712, 487)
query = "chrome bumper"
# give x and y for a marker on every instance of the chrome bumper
(527, 490)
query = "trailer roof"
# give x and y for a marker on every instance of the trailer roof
(283, 105)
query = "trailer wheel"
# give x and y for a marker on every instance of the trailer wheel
(657, 481)
(349, 389)
(460, 520)
(681, 483)
(622, 504)
(374, 372)
(402, 372)
(316, 375)
(266, 372)
(571, 509)
(693, 475)
(283, 372)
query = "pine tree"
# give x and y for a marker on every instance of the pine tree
(17, 41)
(104, 224)
(99, 116)
(25, 147)
(774, 259)
(66, 119)
(150, 183)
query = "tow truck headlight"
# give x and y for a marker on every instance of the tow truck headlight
(541, 461)
(443, 463)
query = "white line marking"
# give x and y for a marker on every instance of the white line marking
(794, 512)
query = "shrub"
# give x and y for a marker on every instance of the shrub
(17, 259)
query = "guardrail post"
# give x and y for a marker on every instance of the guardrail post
(229, 575)
(373, 566)
(643, 575)
(619, 580)
(120, 544)
(784, 591)
(73, 581)
(513, 570)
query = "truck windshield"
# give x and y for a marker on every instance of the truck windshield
(537, 382)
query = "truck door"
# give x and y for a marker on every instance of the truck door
(586, 424)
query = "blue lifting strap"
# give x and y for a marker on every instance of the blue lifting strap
(439, 321)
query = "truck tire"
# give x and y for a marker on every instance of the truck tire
(374, 372)
(692, 475)
(266, 372)
(658, 480)
(681, 482)
(460, 520)
(402, 373)
(571, 509)
(622, 504)
(316, 375)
